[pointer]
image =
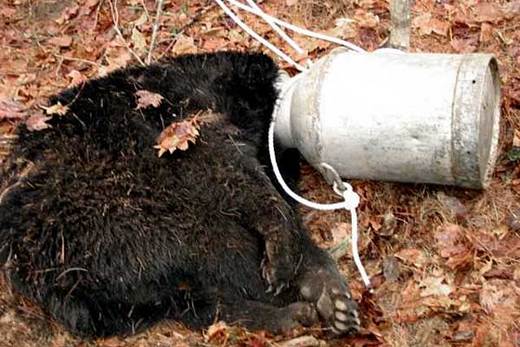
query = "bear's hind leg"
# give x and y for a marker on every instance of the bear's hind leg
(256, 315)
(86, 318)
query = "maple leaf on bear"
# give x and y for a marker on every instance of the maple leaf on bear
(146, 98)
(178, 135)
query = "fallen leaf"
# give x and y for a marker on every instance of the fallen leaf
(488, 12)
(11, 110)
(217, 332)
(486, 33)
(455, 207)
(497, 293)
(146, 99)
(513, 220)
(413, 257)
(141, 20)
(57, 108)
(464, 45)
(389, 224)
(178, 135)
(68, 13)
(91, 3)
(138, 41)
(184, 44)
(340, 232)
(37, 121)
(366, 19)
(434, 286)
(511, 9)
(428, 25)
(344, 28)
(111, 342)
(76, 78)
(391, 269)
(452, 245)
(302, 341)
(516, 138)
(116, 57)
(61, 41)
(7, 12)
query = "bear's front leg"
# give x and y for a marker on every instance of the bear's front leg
(283, 238)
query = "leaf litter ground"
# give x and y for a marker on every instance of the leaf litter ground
(445, 261)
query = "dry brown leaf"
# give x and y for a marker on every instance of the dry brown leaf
(486, 32)
(11, 110)
(184, 44)
(447, 236)
(141, 20)
(428, 25)
(434, 286)
(340, 232)
(391, 270)
(111, 342)
(516, 139)
(68, 13)
(366, 19)
(178, 135)
(61, 41)
(138, 41)
(57, 108)
(217, 332)
(452, 245)
(37, 121)
(76, 77)
(7, 12)
(454, 206)
(117, 56)
(497, 293)
(464, 45)
(344, 28)
(413, 257)
(302, 341)
(488, 12)
(146, 99)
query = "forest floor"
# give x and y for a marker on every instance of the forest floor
(444, 261)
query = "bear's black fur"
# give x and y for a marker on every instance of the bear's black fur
(109, 238)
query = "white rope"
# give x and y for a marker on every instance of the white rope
(275, 27)
(295, 28)
(259, 38)
(350, 198)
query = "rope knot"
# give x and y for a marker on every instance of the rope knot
(350, 197)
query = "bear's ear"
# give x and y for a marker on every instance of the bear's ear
(179, 134)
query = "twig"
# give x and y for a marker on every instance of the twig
(115, 20)
(155, 29)
(64, 57)
(145, 9)
(98, 8)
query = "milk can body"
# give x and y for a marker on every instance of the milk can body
(409, 117)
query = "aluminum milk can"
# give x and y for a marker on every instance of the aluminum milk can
(394, 116)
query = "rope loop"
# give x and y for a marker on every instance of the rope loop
(350, 197)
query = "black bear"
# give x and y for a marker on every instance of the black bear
(108, 238)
